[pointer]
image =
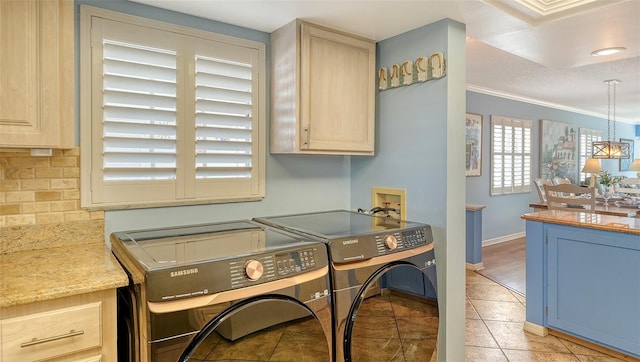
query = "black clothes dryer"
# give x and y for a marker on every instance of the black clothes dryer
(383, 275)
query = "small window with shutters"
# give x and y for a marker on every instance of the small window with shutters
(587, 137)
(174, 116)
(510, 155)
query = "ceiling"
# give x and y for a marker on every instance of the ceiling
(533, 50)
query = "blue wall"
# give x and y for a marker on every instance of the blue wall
(420, 148)
(501, 217)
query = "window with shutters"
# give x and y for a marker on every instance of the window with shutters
(170, 115)
(587, 136)
(510, 155)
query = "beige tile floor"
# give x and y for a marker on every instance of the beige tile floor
(495, 319)
(392, 328)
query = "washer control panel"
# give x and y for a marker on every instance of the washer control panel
(241, 271)
(295, 262)
(259, 269)
(253, 269)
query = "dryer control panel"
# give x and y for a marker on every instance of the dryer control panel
(402, 240)
(363, 247)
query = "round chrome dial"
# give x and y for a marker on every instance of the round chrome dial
(253, 269)
(390, 242)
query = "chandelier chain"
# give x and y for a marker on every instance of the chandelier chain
(609, 111)
(614, 111)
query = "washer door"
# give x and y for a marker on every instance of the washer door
(391, 324)
(263, 328)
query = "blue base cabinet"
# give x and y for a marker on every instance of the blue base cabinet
(587, 284)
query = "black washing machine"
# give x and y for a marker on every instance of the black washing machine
(237, 290)
(383, 283)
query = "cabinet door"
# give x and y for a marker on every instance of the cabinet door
(594, 286)
(337, 84)
(36, 73)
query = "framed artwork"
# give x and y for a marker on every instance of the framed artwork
(558, 151)
(474, 145)
(625, 164)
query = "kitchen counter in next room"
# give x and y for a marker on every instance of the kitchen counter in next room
(612, 210)
(583, 278)
(587, 220)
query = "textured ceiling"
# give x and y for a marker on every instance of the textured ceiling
(541, 55)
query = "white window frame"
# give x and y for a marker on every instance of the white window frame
(587, 137)
(511, 161)
(185, 188)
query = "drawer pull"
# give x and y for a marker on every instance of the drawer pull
(72, 333)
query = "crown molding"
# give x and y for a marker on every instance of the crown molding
(500, 94)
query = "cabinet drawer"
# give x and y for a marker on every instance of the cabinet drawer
(50, 334)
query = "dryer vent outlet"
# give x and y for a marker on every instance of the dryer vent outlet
(389, 198)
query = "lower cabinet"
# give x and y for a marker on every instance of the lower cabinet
(80, 328)
(593, 286)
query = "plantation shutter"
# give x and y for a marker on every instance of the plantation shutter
(174, 117)
(223, 118)
(587, 137)
(510, 156)
(140, 106)
(225, 106)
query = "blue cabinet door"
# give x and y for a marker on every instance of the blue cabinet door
(594, 286)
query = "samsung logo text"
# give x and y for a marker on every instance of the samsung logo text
(184, 272)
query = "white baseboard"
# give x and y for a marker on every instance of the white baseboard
(538, 330)
(503, 239)
(475, 267)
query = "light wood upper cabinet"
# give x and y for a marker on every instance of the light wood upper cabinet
(36, 74)
(322, 91)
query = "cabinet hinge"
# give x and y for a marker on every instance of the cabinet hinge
(93, 37)
(546, 239)
(546, 310)
(307, 137)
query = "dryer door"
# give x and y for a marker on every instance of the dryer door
(390, 324)
(264, 328)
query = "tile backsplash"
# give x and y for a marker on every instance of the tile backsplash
(36, 190)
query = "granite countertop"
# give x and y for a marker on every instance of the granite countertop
(33, 269)
(619, 224)
(37, 275)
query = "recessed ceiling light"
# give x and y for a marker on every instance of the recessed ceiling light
(608, 51)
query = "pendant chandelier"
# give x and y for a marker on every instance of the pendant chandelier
(610, 148)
